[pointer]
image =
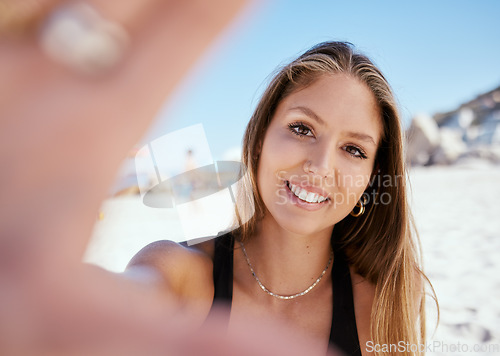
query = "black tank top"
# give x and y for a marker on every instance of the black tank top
(343, 333)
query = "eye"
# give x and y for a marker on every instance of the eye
(355, 151)
(300, 129)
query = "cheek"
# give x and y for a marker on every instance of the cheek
(274, 163)
(276, 147)
(353, 180)
(266, 175)
(276, 154)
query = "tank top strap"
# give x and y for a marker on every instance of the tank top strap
(343, 333)
(223, 268)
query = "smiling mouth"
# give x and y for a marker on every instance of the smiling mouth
(304, 195)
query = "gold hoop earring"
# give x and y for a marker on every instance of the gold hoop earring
(361, 205)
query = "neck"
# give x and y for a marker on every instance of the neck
(287, 262)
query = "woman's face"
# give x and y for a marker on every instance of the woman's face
(318, 154)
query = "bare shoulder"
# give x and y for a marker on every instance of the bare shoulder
(186, 270)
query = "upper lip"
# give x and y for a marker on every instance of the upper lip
(310, 188)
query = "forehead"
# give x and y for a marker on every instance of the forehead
(339, 101)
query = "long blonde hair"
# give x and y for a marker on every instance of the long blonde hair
(382, 244)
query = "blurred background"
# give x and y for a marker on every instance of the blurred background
(442, 60)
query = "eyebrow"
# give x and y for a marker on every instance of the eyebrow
(308, 112)
(361, 136)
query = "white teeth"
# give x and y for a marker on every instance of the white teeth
(312, 197)
(303, 194)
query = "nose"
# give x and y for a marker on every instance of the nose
(321, 161)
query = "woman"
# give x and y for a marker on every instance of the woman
(326, 178)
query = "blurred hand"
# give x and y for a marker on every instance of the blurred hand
(63, 136)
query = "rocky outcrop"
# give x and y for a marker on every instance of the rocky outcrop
(471, 132)
(423, 139)
(450, 148)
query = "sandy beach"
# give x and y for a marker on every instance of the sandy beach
(457, 215)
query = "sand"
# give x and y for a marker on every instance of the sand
(457, 212)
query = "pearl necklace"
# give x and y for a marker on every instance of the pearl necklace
(279, 296)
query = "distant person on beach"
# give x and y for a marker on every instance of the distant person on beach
(331, 248)
(191, 180)
(80, 83)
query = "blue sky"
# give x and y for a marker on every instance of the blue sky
(435, 53)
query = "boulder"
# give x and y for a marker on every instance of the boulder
(451, 147)
(423, 139)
